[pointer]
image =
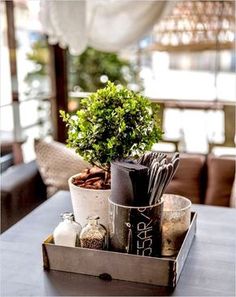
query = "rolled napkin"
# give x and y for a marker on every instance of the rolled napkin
(129, 184)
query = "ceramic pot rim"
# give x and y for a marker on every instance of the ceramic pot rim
(84, 189)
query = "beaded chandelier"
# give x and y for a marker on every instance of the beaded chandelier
(197, 26)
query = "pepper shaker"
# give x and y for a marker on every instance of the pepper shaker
(94, 235)
(67, 232)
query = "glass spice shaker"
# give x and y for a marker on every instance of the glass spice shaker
(94, 235)
(67, 232)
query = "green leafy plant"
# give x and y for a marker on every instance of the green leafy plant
(39, 55)
(90, 70)
(87, 71)
(113, 123)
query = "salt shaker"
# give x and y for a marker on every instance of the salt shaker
(67, 232)
(94, 235)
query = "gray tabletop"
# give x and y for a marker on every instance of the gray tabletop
(209, 269)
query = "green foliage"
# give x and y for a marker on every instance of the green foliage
(40, 56)
(113, 123)
(87, 69)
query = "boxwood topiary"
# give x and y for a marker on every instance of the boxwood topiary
(113, 123)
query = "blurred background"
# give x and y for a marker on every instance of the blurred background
(187, 66)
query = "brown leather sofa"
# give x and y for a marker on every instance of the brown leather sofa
(203, 179)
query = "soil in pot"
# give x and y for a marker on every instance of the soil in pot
(95, 178)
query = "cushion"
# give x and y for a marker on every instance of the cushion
(221, 172)
(22, 189)
(188, 178)
(57, 164)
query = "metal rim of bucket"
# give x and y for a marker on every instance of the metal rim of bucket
(136, 207)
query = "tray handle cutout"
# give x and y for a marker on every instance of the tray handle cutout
(105, 276)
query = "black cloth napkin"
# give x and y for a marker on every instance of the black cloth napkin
(129, 184)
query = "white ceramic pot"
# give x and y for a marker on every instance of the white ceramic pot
(89, 202)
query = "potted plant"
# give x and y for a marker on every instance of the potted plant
(113, 123)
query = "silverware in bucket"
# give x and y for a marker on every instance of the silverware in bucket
(136, 204)
(135, 230)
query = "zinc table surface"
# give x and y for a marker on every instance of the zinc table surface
(209, 269)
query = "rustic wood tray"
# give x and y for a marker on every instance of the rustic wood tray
(150, 270)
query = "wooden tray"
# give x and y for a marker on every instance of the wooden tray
(150, 270)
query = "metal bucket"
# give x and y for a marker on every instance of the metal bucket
(135, 230)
